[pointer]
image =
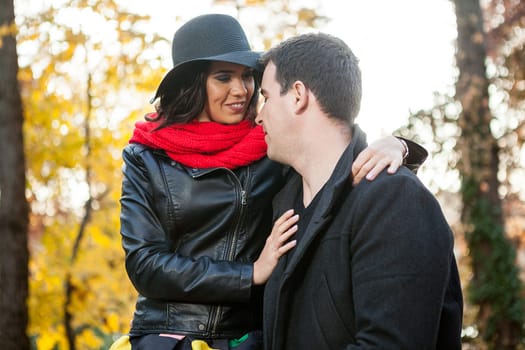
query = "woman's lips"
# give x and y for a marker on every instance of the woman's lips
(237, 107)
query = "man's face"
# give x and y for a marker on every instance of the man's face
(276, 117)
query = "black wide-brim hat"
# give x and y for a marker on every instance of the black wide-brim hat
(211, 37)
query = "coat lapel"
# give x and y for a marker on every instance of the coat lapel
(333, 190)
(315, 226)
(278, 293)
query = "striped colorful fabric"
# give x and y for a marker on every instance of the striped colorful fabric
(250, 341)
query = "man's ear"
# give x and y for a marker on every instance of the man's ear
(300, 93)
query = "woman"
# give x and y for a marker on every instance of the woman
(196, 198)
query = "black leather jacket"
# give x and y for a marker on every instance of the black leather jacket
(190, 238)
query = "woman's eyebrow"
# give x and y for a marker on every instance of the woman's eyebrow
(221, 71)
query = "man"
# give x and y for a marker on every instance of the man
(374, 266)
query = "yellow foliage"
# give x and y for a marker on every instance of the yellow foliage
(113, 324)
(51, 340)
(59, 159)
(255, 2)
(89, 340)
(7, 30)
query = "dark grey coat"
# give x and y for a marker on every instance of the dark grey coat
(374, 269)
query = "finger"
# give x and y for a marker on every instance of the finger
(358, 177)
(394, 166)
(287, 234)
(286, 247)
(285, 216)
(360, 161)
(280, 229)
(372, 174)
(291, 221)
(365, 169)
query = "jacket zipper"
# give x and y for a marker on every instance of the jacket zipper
(243, 200)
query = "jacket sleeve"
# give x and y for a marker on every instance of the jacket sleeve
(154, 268)
(417, 155)
(402, 259)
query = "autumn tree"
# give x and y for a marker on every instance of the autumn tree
(478, 130)
(495, 286)
(13, 204)
(504, 24)
(84, 70)
(280, 20)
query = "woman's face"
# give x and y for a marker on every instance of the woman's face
(229, 88)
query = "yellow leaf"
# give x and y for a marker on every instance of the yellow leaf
(7, 30)
(112, 322)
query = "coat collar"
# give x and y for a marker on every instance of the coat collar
(340, 179)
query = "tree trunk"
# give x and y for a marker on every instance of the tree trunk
(88, 209)
(495, 286)
(13, 204)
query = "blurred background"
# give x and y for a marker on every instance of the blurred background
(447, 74)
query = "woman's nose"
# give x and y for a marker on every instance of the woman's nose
(239, 87)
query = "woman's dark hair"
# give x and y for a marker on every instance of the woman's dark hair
(186, 98)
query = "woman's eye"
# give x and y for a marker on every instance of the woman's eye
(248, 75)
(223, 78)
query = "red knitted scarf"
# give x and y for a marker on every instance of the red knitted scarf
(205, 144)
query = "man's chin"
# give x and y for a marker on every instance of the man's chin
(270, 154)
(273, 156)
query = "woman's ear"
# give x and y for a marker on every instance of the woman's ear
(300, 93)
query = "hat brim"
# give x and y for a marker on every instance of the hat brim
(245, 58)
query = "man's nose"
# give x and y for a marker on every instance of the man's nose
(258, 119)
